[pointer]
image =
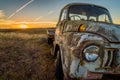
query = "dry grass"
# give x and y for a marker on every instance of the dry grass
(25, 56)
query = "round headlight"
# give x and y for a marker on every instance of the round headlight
(91, 53)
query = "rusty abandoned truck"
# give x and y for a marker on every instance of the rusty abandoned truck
(86, 43)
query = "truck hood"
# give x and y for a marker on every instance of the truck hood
(110, 31)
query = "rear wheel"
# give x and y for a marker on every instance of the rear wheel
(50, 42)
(51, 49)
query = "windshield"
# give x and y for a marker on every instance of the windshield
(89, 12)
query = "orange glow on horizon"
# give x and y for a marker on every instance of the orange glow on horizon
(117, 21)
(23, 26)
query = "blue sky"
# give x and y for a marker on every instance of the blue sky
(47, 10)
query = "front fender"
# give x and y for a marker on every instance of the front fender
(78, 67)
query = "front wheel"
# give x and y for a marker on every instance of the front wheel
(59, 71)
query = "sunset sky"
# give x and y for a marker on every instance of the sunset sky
(45, 12)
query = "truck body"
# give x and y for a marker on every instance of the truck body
(86, 43)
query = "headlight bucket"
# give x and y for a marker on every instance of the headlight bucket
(91, 53)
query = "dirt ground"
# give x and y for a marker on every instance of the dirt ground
(25, 55)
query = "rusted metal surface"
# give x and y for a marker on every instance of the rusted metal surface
(100, 35)
(104, 64)
(109, 31)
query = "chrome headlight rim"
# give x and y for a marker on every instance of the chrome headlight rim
(91, 57)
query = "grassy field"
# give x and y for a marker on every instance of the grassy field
(25, 55)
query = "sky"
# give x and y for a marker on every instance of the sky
(46, 11)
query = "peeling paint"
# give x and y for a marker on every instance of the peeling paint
(105, 36)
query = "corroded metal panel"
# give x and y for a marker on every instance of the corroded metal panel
(75, 40)
(74, 43)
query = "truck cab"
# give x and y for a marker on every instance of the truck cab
(86, 43)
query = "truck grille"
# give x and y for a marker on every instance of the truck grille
(109, 59)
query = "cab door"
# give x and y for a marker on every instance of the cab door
(59, 37)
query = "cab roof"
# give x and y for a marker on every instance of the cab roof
(88, 4)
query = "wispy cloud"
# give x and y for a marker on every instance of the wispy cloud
(3, 21)
(38, 18)
(50, 12)
(22, 7)
(1, 14)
